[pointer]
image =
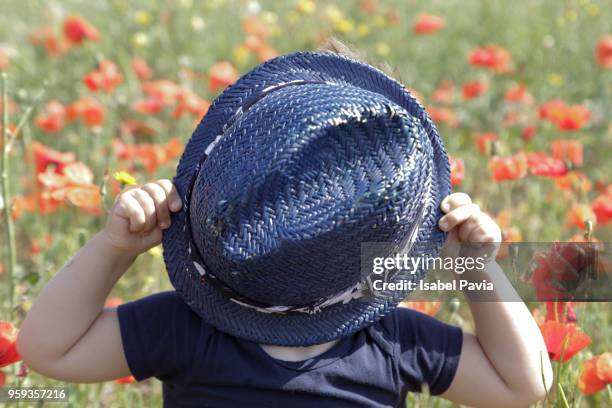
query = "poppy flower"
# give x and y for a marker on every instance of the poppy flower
(565, 312)
(164, 90)
(77, 30)
(540, 164)
(427, 24)
(484, 142)
(2, 379)
(443, 115)
(444, 92)
(4, 60)
(265, 53)
(89, 110)
(508, 168)
(126, 380)
(45, 36)
(528, 133)
(493, 57)
(141, 69)
(518, 94)
(595, 374)
(190, 102)
(565, 117)
(602, 206)
(52, 120)
(8, 344)
(473, 89)
(604, 51)
(149, 106)
(105, 78)
(557, 335)
(457, 171)
(567, 149)
(44, 156)
(429, 308)
(253, 25)
(221, 75)
(559, 271)
(86, 197)
(578, 214)
(575, 180)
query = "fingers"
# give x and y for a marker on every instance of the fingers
(457, 216)
(149, 206)
(454, 200)
(173, 198)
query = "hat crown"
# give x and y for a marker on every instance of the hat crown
(297, 182)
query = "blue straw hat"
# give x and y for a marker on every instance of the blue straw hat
(293, 167)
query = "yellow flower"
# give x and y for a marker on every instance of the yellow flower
(555, 79)
(124, 178)
(593, 9)
(140, 39)
(156, 251)
(344, 25)
(334, 14)
(383, 49)
(363, 30)
(142, 18)
(306, 6)
(241, 55)
(571, 15)
(378, 21)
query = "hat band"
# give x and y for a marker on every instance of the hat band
(358, 290)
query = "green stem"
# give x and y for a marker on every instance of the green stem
(4, 183)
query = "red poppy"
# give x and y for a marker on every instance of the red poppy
(563, 116)
(578, 214)
(149, 106)
(442, 115)
(77, 30)
(540, 164)
(2, 378)
(427, 24)
(8, 344)
(221, 75)
(604, 51)
(493, 57)
(5, 61)
(265, 52)
(565, 312)
(602, 206)
(105, 78)
(557, 335)
(89, 110)
(253, 25)
(528, 133)
(568, 149)
(141, 69)
(429, 308)
(164, 90)
(457, 171)
(518, 93)
(52, 120)
(45, 156)
(561, 269)
(190, 102)
(444, 92)
(484, 141)
(595, 374)
(575, 180)
(44, 36)
(126, 380)
(508, 168)
(473, 89)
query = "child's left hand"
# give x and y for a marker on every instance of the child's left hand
(466, 224)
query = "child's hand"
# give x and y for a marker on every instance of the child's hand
(139, 215)
(466, 224)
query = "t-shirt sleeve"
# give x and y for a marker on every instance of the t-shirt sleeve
(428, 351)
(157, 333)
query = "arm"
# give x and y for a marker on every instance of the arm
(505, 364)
(68, 334)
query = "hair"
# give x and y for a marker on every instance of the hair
(334, 45)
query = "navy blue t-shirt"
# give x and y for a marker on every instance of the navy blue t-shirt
(203, 367)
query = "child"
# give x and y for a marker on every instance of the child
(294, 166)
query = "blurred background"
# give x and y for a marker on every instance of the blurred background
(101, 95)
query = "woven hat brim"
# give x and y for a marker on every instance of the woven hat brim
(296, 328)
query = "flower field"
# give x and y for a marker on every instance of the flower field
(100, 95)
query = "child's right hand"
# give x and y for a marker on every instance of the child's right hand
(138, 216)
